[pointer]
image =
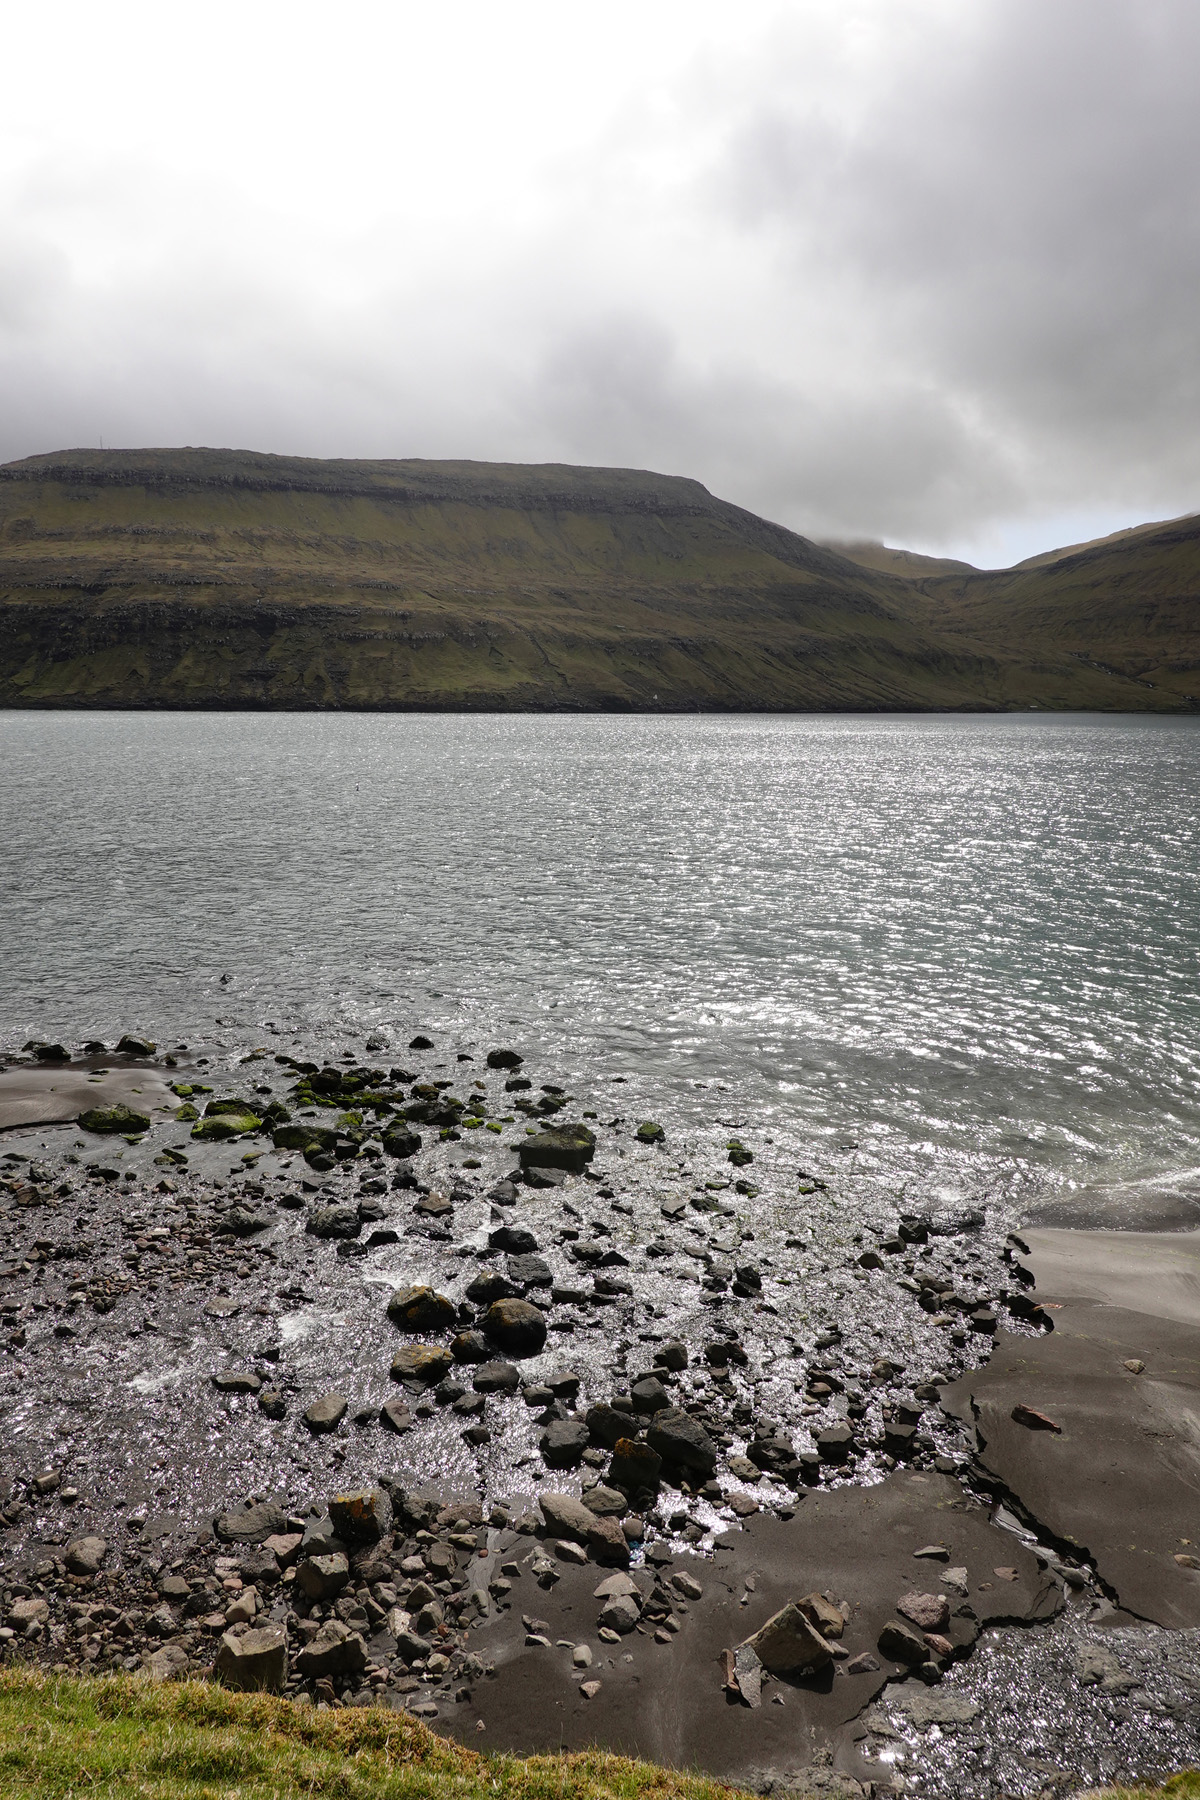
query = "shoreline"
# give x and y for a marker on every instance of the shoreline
(763, 1499)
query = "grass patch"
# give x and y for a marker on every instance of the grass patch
(123, 1739)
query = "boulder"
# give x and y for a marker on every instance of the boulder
(323, 1577)
(401, 1143)
(515, 1240)
(252, 1525)
(530, 1271)
(303, 1136)
(835, 1444)
(681, 1441)
(135, 1046)
(426, 1363)
(225, 1125)
(516, 1327)
(504, 1059)
(363, 1516)
(333, 1222)
(788, 1645)
(649, 1395)
(607, 1425)
(335, 1650)
(395, 1415)
(649, 1132)
(634, 1465)
(421, 1309)
(255, 1659)
(239, 1221)
(608, 1543)
(621, 1613)
(497, 1378)
(326, 1414)
(566, 1516)
(563, 1443)
(84, 1555)
(489, 1285)
(568, 1147)
(470, 1347)
(120, 1119)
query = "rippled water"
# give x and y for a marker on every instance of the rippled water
(969, 945)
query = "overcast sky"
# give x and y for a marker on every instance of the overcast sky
(920, 270)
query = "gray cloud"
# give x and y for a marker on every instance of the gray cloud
(898, 268)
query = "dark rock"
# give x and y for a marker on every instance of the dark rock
(490, 1285)
(649, 1395)
(563, 1443)
(530, 1271)
(497, 1378)
(606, 1425)
(421, 1309)
(135, 1046)
(395, 1415)
(322, 1578)
(608, 1543)
(634, 1466)
(621, 1613)
(672, 1356)
(420, 1043)
(835, 1444)
(648, 1132)
(515, 1326)
(470, 1347)
(335, 1650)
(325, 1414)
(681, 1441)
(241, 1222)
(232, 1381)
(333, 1222)
(504, 1059)
(401, 1143)
(362, 1516)
(514, 1239)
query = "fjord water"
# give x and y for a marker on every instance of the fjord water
(968, 946)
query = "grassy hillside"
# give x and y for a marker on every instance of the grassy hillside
(207, 578)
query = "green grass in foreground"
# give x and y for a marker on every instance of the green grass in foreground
(120, 1738)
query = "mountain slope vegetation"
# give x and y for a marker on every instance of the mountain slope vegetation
(213, 578)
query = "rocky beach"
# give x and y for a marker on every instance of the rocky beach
(396, 1372)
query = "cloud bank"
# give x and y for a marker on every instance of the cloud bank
(891, 268)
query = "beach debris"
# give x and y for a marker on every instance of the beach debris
(1031, 1417)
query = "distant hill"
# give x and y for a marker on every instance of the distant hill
(909, 563)
(214, 578)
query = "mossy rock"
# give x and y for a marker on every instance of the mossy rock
(569, 1147)
(225, 1125)
(650, 1133)
(739, 1156)
(303, 1137)
(186, 1113)
(231, 1105)
(120, 1120)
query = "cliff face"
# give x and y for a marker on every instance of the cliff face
(202, 578)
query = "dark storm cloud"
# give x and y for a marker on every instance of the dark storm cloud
(895, 267)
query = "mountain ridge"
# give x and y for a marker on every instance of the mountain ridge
(199, 577)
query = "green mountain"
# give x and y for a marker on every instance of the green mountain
(212, 578)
